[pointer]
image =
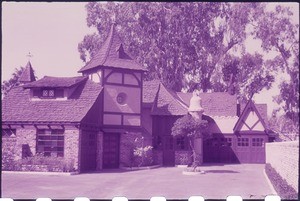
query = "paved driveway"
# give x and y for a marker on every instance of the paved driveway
(219, 181)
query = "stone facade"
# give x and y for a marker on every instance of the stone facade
(284, 158)
(99, 151)
(25, 136)
(71, 151)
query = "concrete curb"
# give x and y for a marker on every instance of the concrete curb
(140, 168)
(41, 173)
(269, 182)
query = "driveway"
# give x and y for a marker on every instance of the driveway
(219, 181)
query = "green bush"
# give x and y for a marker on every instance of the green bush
(284, 190)
(39, 162)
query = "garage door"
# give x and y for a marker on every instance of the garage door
(219, 150)
(233, 149)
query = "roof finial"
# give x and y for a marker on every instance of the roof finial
(29, 55)
(113, 18)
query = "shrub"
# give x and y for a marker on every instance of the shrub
(143, 156)
(39, 162)
(284, 190)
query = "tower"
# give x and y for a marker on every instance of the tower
(122, 80)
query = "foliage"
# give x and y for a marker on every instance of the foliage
(279, 34)
(188, 126)
(190, 39)
(8, 85)
(284, 126)
(284, 190)
(139, 155)
(39, 162)
(143, 156)
(203, 44)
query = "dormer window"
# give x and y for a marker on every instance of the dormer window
(48, 93)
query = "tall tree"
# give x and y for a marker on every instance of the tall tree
(183, 44)
(6, 86)
(280, 34)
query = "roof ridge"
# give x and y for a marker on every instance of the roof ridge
(110, 38)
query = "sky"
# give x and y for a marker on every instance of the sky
(51, 33)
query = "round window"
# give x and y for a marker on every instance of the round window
(121, 98)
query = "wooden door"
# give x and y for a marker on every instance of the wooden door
(88, 150)
(111, 150)
(168, 151)
(258, 154)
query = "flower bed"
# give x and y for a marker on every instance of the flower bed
(284, 190)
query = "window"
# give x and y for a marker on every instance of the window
(243, 142)
(48, 93)
(8, 132)
(121, 98)
(181, 143)
(226, 142)
(50, 142)
(257, 142)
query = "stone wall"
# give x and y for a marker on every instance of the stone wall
(284, 158)
(12, 146)
(71, 147)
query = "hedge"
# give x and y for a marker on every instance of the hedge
(284, 190)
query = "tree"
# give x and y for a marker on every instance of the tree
(187, 126)
(187, 45)
(284, 126)
(189, 39)
(279, 34)
(8, 85)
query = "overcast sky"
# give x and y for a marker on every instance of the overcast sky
(51, 32)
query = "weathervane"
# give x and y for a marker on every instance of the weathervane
(29, 55)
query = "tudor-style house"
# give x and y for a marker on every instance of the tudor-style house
(90, 120)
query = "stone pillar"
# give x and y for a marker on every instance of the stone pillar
(99, 151)
(196, 111)
(71, 149)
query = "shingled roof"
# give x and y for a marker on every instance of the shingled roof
(214, 104)
(27, 75)
(48, 81)
(113, 55)
(167, 103)
(18, 107)
(150, 89)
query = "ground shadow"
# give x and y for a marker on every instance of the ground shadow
(221, 171)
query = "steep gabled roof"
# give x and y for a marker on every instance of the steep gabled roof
(214, 104)
(250, 106)
(18, 107)
(167, 103)
(262, 110)
(150, 89)
(48, 81)
(113, 55)
(27, 75)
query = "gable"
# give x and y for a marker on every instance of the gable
(250, 120)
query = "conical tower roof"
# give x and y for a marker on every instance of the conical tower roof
(112, 55)
(27, 75)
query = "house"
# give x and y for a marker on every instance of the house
(92, 120)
